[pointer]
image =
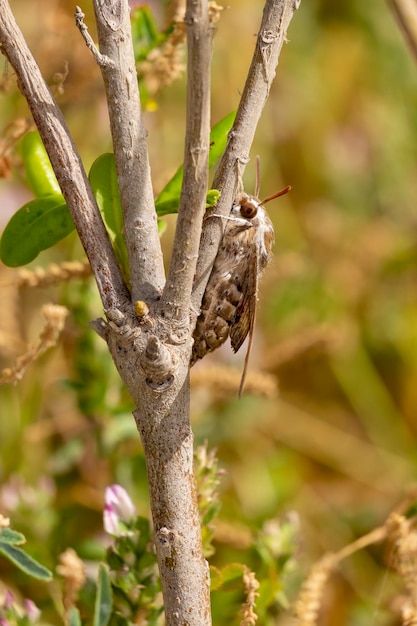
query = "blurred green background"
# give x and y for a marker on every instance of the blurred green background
(337, 320)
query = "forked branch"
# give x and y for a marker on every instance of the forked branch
(276, 18)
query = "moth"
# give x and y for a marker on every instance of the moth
(229, 302)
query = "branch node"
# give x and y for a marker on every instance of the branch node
(101, 327)
(268, 37)
(101, 59)
(157, 364)
(267, 40)
(116, 316)
(166, 537)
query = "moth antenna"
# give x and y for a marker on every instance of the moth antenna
(257, 176)
(278, 194)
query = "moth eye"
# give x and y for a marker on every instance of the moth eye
(248, 209)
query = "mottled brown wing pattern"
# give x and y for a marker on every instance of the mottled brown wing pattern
(229, 302)
(222, 296)
(244, 318)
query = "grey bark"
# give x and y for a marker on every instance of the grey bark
(147, 276)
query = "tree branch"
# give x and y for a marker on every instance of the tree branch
(65, 161)
(130, 150)
(176, 296)
(168, 443)
(276, 18)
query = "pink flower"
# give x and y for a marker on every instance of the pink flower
(32, 611)
(8, 599)
(119, 511)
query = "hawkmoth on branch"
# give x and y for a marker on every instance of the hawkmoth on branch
(229, 303)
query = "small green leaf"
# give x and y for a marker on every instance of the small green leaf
(216, 578)
(7, 535)
(74, 618)
(103, 180)
(218, 137)
(212, 198)
(146, 37)
(39, 172)
(36, 226)
(104, 601)
(211, 513)
(145, 32)
(162, 226)
(233, 572)
(168, 200)
(25, 562)
(231, 577)
(171, 205)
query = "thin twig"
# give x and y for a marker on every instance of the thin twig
(310, 599)
(54, 273)
(272, 35)
(406, 13)
(147, 274)
(101, 59)
(65, 160)
(55, 317)
(176, 295)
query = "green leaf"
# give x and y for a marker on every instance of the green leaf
(36, 226)
(162, 226)
(211, 513)
(43, 222)
(104, 601)
(168, 200)
(228, 578)
(25, 562)
(7, 535)
(212, 198)
(146, 37)
(145, 32)
(74, 617)
(218, 137)
(216, 578)
(103, 180)
(39, 172)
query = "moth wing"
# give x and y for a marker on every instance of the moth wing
(244, 319)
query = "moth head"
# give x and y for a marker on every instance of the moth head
(249, 207)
